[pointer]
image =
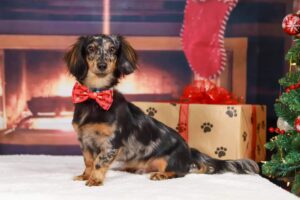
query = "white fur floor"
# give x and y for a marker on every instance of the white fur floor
(50, 177)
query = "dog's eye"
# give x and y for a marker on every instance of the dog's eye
(91, 49)
(112, 49)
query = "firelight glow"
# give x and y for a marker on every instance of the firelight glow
(59, 123)
(63, 86)
(149, 81)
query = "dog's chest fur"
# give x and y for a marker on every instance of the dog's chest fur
(95, 127)
(95, 137)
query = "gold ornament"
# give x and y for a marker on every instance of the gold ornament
(293, 66)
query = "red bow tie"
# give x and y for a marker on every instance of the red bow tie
(81, 93)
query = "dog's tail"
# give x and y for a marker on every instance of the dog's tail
(208, 165)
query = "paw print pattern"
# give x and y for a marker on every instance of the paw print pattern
(207, 127)
(231, 111)
(258, 127)
(151, 111)
(258, 149)
(181, 127)
(263, 125)
(244, 136)
(221, 151)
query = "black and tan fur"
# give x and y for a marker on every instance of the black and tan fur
(124, 133)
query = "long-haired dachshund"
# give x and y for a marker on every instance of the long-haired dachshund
(110, 128)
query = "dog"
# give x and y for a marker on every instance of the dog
(109, 128)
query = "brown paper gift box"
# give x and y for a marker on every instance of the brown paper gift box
(221, 131)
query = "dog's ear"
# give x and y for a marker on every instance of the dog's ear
(75, 59)
(127, 59)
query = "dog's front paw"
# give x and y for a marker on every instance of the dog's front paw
(157, 176)
(93, 182)
(80, 178)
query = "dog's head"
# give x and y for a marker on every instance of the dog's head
(99, 61)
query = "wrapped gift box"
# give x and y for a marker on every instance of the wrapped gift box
(221, 131)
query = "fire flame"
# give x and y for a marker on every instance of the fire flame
(149, 81)
(62, 86)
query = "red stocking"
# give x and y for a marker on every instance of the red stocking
(203, 35)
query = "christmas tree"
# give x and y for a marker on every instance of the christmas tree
(285, 144)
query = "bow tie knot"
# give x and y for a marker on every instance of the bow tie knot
(93, 95)
(81, 93)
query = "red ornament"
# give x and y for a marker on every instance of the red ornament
(277, 130)
(271, 130)
(287, 90)
(297, 124)
(282, 132)
(292, 87)
(291, 24)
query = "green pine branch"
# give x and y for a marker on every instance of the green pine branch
(285, 161)
(291, 100)
(293, 53)
(284, 111)
(290, 78)
(296, 184)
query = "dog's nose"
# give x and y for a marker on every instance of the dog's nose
(102, 66)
